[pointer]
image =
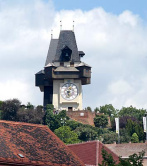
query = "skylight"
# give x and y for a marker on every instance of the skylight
(21, 155)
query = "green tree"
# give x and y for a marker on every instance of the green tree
(107, 159)
(110, 138)
(96, 110)
(86, 133)
(101, 121)
(54, 120)
(108, 109)
(1, 102)
(66, 135)
(124, 137)
(136, 159)
(73, 124)
(134, 138)
(130, 127)
(31, 115)
(30, 106)
(135, 127)
(132, 111)
(9, 109)
(138, 128)
(89, 109)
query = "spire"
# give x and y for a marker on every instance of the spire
(73, 25)
(51, 34)
(60, 25)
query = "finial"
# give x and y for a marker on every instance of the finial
(73, 24)
(51, 34)
(60, 25)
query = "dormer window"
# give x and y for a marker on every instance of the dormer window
(66, 54)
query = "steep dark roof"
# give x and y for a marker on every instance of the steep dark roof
(67, 38)
(36, 143)
(40, 72)
(52, 51)
(90, 152)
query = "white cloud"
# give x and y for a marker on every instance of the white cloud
(119, 87)
(115, 47)
(14, 89)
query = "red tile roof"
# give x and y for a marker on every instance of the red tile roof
(37, 143)
(127, 149)
(90, 152)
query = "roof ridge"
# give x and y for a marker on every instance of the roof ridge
(126, 144)
(23, 123)
(108, 148)
(83, 143)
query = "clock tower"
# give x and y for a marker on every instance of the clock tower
(64, 74)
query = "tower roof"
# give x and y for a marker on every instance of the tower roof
(52, 51)
(66, 39)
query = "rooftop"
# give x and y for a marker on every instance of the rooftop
(90, 152)
(22, 143)
(127, 149)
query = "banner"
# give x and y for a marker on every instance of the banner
(117, 125)
(144, 124)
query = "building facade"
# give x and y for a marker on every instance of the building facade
(64, 74)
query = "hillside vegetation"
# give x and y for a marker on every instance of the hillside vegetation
(69, 131)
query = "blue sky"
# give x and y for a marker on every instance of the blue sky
(113, 6)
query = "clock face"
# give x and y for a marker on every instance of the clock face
(69, 91)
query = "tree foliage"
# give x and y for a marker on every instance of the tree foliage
(107, 159)
(131, 125)
(73, 124)
(86, 133)
(134, 138)
(31, 115)
(108, 109)
(66, 135)
(54, 120)
(101, 121)
(110, 138)
(89, 109)
(133, 112)
(9, 109)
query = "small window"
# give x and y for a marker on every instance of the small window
(87, 71)
(61, 63)
(70, 109)
(82, 114)
(72, 64)
(21, 155)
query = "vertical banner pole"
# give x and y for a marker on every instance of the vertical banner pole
(117, 128)
(146, 128)
(145, 125)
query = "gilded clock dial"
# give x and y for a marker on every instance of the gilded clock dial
(69, 91)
